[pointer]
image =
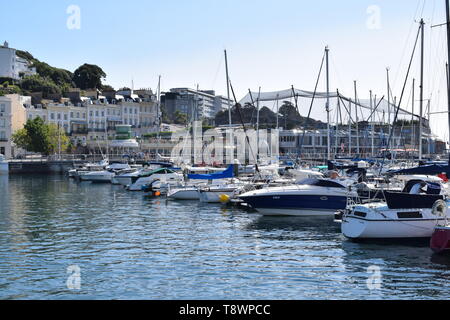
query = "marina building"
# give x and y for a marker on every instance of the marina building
(195, 104)
(363, 142)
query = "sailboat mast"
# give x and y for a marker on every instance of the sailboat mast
(371, 120)
(389, 104)
(413, 140)
(447, 7)
(422, 23)
(228, 88)
(328, 106)
(357, 120)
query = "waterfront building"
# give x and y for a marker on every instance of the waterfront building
(12, 118)
(12, 66)
(195, 104)
(405, 142)
(95, 118)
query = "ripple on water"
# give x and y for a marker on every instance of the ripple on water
(131, 247)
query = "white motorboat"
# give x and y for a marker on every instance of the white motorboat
(310, 197)
(89, 167)
(402, 215)
(126, 177)
(216, 193)
(104, 175)
(4, 166)
(184, 193)
(166, 176)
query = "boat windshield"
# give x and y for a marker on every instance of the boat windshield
(321, 183)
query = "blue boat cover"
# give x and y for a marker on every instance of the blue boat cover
(228, 173)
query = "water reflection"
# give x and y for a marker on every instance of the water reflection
(132, 247)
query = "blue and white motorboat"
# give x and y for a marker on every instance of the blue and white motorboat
(309, 197)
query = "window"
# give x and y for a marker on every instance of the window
(71, 115)
(84, 115)
(2, 123)
(52, 116)
(65, 116)
(103, 113)
(2, 107)
(78, 115)
(91, 113)
(59, 116)
(96, 113)
(2, 135)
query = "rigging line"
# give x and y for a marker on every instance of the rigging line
(217, 72)
(346, 109)
(406, 42)
(238, 108)
(295, 99)
(401, 96)
(310, 107)
(375, 109)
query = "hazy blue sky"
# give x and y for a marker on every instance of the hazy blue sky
(272, 44)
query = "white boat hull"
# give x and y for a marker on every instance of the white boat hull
(184, 194)
(356, 228)
(97, 177)
(214, 196)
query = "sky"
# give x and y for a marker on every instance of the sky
(270, 44)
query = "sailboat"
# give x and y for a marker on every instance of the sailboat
(412, 213)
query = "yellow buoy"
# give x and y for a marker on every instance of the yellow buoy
(224, 198)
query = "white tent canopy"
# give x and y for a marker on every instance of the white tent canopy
(304, 99)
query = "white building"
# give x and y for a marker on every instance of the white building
(12, 66)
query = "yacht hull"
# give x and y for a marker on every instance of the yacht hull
(181, 194)
(297, 205)
(361, 228)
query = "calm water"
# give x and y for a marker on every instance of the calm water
(130, 247)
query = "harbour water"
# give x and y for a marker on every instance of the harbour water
(126, 246)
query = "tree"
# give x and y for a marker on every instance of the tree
(88, 76)
(36, 136)
(107, 88)
(180, 118)
(36, 83)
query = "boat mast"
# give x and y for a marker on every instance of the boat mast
(228, 89)
(328, 105)
(257, 123)
(338, 110)
(422, 23)
(413, 140)
(357, 125)
(389, 104)
(371, 120)
(349, 127)
(447, 7)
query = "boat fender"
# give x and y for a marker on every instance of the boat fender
(439, 208)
